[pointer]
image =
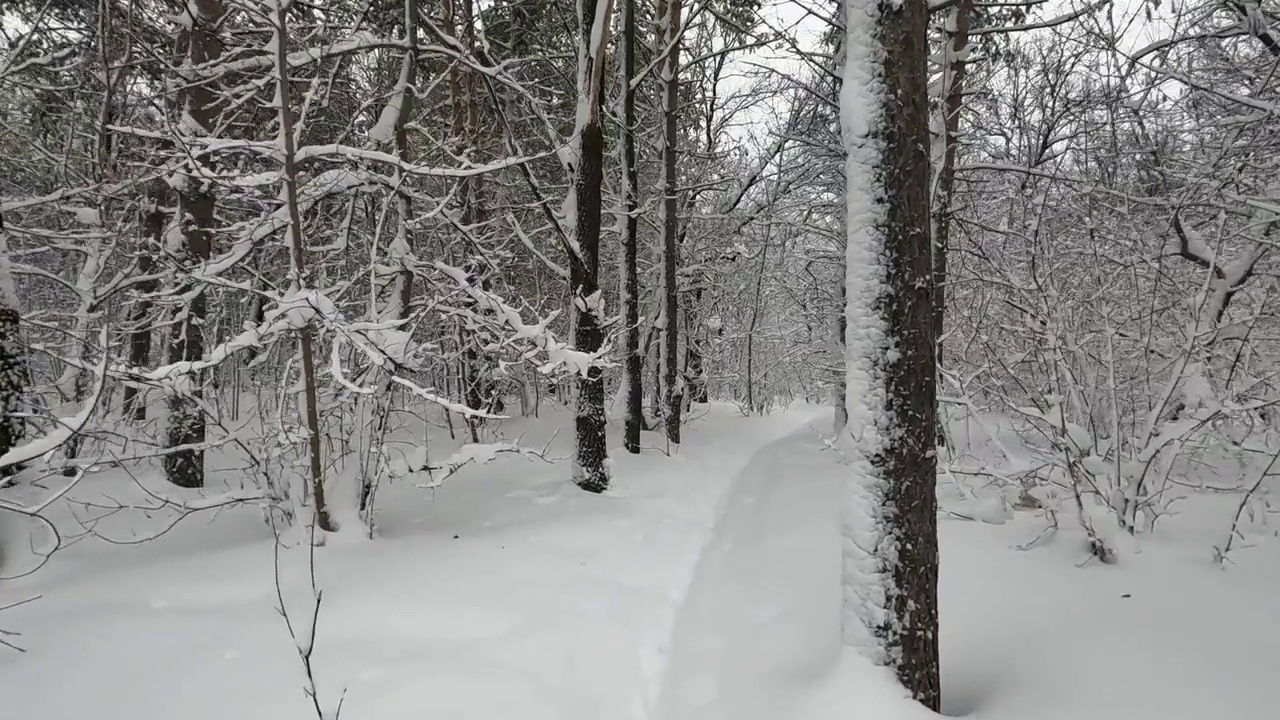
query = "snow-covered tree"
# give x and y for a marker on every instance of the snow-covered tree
(890, 524)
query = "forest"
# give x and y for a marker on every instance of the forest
(652, 359)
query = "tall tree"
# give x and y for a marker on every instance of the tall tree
(891, 563)
(634, 362)
(199, 108)
(672, 385)
(298, 285)
(591, 470)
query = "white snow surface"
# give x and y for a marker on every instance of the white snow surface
(704, 586)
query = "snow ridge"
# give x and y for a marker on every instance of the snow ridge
(863, 544)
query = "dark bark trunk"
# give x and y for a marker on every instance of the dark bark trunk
(672, 386)
(591, 455)
(694, 370)
(908, 461)
(841, 382)
(634, 370)
(591, 451)
(185, 467)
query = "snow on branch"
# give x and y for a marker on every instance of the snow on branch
(472, 454)
(1228, 278)
(291, 312)
(327, 184)
(559, 355)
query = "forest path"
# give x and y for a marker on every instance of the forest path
(762, 616)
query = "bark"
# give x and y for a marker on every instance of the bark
(465, 122)
(908, 462)
(184, 464)
(655, 357)
(310, 411)
(694, 369)
(841, 323)
(674, 390)
(892, 521)
(153, 221)
(634, 366)
(13, 366)
(754, 322)
(591, 470)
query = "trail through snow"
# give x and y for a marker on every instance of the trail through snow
(703, 586)
(762, 617)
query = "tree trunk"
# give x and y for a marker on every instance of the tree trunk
(953, 90)
(891, 611)
(153, 220)
(841, 323)
(694, 368)
(308, 401)
(634, 365)
(591, 471)
(13, 370)
(185, 467)
(755, 321)
(401, 103)
(655, 358)
(673, 388)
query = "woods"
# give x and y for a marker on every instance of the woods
(286, 257)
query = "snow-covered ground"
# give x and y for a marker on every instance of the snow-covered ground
(704, 586)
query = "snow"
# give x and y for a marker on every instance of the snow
(701, 586)
(864, 542)
(507, 578)
(383, 131)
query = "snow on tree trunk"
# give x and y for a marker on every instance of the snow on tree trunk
(672, 385)
(633, 380)
(590, 465)
(184, 464)
(890, 524)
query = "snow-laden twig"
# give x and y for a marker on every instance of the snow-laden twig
(471, 454)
